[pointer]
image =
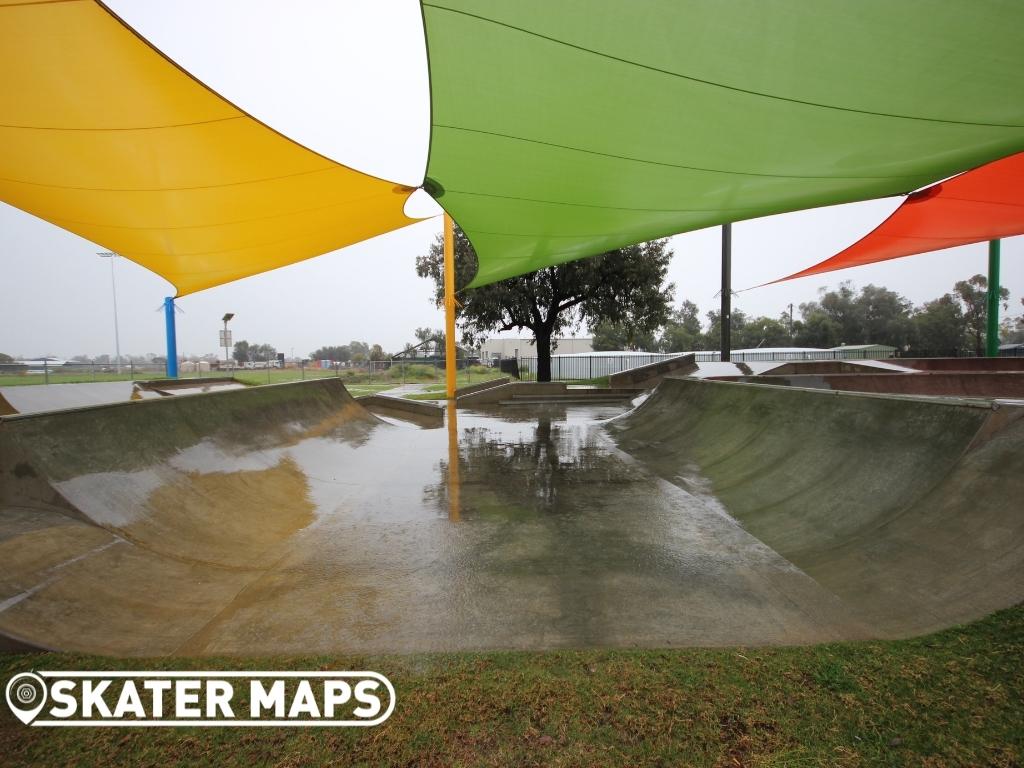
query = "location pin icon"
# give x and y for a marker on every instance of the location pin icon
(26, 696)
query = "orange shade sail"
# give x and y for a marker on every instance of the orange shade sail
(102, 135)
(986, 203)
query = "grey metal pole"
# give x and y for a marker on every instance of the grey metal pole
(726, 313)
(113, 288)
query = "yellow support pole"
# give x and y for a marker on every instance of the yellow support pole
(450, 363)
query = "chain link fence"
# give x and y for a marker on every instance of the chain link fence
(592, 367)
(601, 365)
(371, 372)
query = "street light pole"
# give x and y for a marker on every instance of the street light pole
(992, 301)
(725, 317)
(226, 338)
(113, 289)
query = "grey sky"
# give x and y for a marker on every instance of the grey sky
(316, 71)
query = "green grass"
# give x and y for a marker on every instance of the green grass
(248, 376)
(465, 379)
(356, 390)
(413, 373)
(951, 699)
(82, 377)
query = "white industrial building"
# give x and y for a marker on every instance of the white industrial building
(502, 349)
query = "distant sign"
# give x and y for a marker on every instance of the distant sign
(225, 338)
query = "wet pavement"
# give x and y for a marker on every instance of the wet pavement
(514, 528)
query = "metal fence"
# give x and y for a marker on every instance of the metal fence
(367, 372)
(563, 367)
(597, 366)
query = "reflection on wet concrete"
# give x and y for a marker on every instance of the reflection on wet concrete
(516, 528)
(453, 482)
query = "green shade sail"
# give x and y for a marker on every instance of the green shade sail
(564, 129)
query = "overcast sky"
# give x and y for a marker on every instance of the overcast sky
(349, 80)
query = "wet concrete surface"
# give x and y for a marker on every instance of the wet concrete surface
(289, 519)
(347, 533)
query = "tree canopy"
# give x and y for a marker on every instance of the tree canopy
(973, 296)
(624, 288)
(245, 352)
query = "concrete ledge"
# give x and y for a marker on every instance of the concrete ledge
(975, 364)
(470, 389)
(795, 367)
(649, 376)
(158, 384)
(494, 395)
(423, 412)
(948, 384)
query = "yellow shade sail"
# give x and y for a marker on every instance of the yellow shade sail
(102, 135)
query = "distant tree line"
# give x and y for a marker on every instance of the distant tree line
(951, 324)
(354, 351)
(245, 352)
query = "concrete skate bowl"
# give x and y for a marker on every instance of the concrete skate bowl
(125, 528)
(908, 510)
(288, 519)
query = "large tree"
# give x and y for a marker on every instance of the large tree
(241, 351)
(624, 287)
(939, 327)
(1011, 329)
(682, 331)
(875, 315)
(338, 354)
(612, 337)
(973, 296)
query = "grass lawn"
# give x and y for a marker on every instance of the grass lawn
(356, 390)
(80, 377)
(442, 395)
(951, 699)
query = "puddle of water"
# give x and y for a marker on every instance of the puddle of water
(531, 530)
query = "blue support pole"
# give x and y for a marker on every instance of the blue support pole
(172, 338)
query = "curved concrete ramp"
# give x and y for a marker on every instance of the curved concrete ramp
(126, 528)
(288, 519)
(910, 511)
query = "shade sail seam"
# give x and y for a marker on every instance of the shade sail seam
(130, 128)
(711, 83)
(549, 237)
(601, 207)
(37, 2)
(299, 212)
(661, 163)
(174, 189)
(926, 238)
(982, 202)
(249, 246)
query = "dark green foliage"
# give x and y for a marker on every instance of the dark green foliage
(623, 288)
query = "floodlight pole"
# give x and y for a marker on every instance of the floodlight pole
(172, 338)
(725, 318)
(992, 319)
(226, 338)
(113, 289)
(450, 361)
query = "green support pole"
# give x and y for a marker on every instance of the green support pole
(992, 329)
